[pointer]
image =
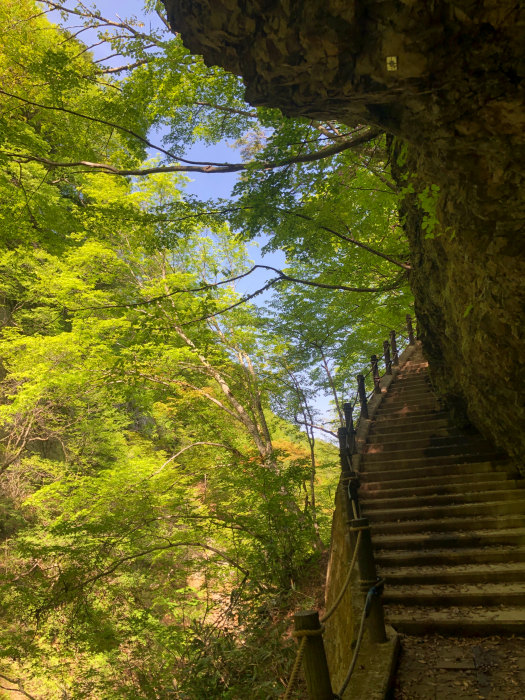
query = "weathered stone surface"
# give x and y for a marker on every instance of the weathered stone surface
(468, 283)
(456, 101)
(341, 628)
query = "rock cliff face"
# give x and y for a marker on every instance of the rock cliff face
(445, 79)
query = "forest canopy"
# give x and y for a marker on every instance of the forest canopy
(164, 485)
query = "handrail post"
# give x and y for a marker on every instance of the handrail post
(315, 665)
(375, 374)
(349, 478)
(368, 575)
(410, 330)
(393, 345)
(361, 391)
(344, 454)
(350, 431)
(388, 361)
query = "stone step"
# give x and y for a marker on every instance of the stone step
(461, 540)
(447, 514)
(460, 574)
(418, 438)
(459, 557)
(413, 373)
(440, 526)
(448, 595)
(371, 493)
(371, 505)
(414, 367)
(401, 404)
(393, 467)
(419, 386)
(412, 410)
(401, 392)
(369, 486)
(398, 457)
(428, 441)
(411, 419)
(407, 396)
(445, 465)
(402, 380)
(516, 506)
(464, 622)
(406, 380)
(402, 409)
(423, 427)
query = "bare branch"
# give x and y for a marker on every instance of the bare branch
(117, 53)
(284, 277)
(243, 300)
(281, 277)
(85, 49)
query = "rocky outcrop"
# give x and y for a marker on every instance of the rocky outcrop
(445, 78)
(468, 283)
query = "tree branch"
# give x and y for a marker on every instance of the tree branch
(243, 300)
(19, 689)
(100, 21)
(177, 290)
(313, 425)
(193, 166)
(195, 444)
(159, 548)
(130, 66)
(100, 166)
(287, 278)
(194, 388)
(348, 238)
(281, 277)
(341, 287)
(229, 110)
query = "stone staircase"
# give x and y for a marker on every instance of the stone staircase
(447, 512)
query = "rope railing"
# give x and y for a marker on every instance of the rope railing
(303, 634)
(345, 585)
(294, 675)
(308, 626)
(366, 610)
(374, 591)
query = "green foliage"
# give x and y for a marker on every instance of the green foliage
(163, 491)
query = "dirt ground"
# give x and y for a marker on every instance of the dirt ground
(472, 668)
